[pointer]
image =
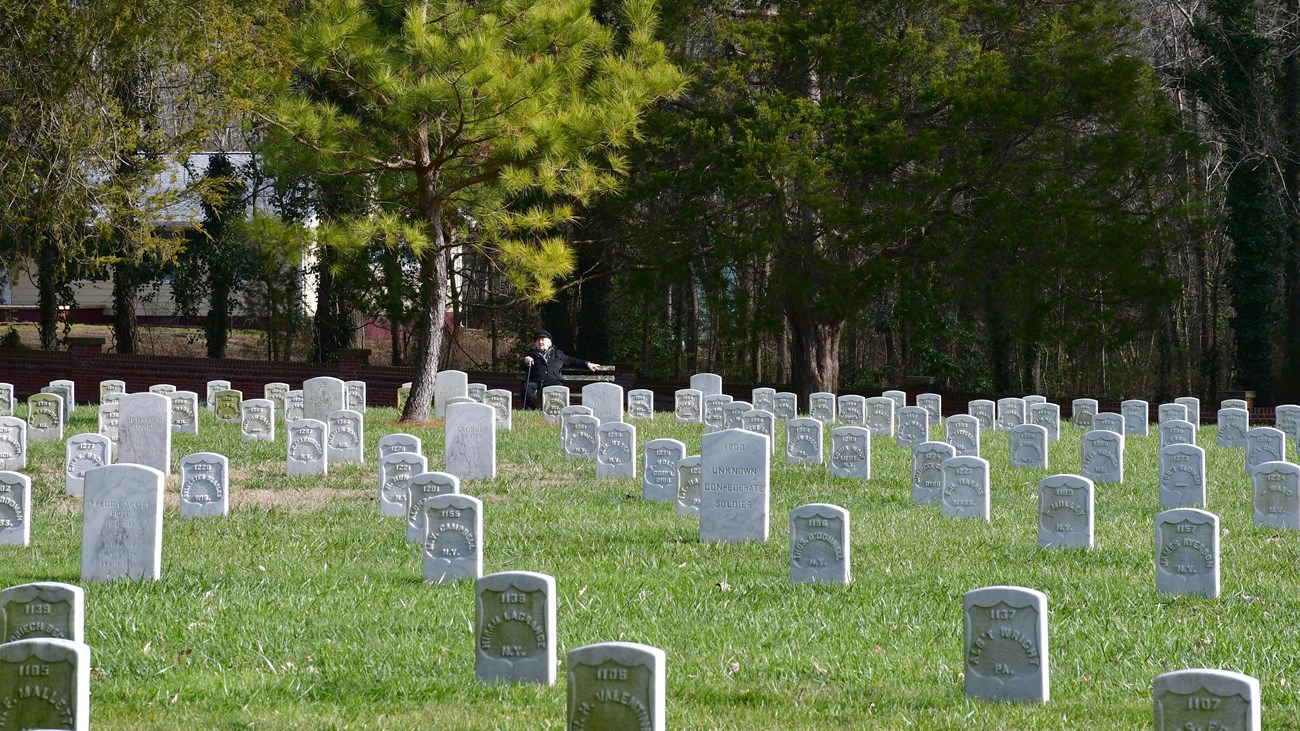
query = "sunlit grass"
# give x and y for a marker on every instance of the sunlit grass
(305, 609)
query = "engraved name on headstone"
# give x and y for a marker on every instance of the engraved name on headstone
(1047, 416)
(567, 412)
(554, 399)
(321, 395)
(210, 396)
(45, 684)
(13, 443)
(1101, 456)
(446, 386)
(733, 413)
(763, 398)
(228, 406)
(275, 393)
(714, 416)
(1028, 446)
(355, 397)
(605, 401)
(1011, 412)
(144, 431)
(962, 431)
(785, 406)
(984, 410)
(821, 406)
(1176, 432)
(933, 405)
(688, 406)
(347, 436)
(305, 441)
(82, 453)
(1233, 425)
(911, 426)
(45, 417)
(185, 412)
(760, 422)
(257, 420)
(640, 404)
(43, 609)
(852, 410)
(1137, 414)
(502, 402)
(1082, 410)
(880, 416)
(1264, 444)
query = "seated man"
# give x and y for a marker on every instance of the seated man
(544, 363)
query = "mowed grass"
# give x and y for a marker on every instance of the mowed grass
(304, 609)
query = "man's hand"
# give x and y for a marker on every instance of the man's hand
(593, 366)
(528, 361)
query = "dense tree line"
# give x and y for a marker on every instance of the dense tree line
(1095, 197)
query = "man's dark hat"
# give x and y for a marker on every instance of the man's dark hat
(541, 334)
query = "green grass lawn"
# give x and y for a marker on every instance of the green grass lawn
(304, 609)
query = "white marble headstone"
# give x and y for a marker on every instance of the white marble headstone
(122, 521)
(819, 544)
(803, 441)
(1193, 405)
(706, 383)
(821, 406)
(689, 473)
(965, 488)
(1006, 648)
(394, 443)
(1137, 414)
(880, 416)
(205, 485)
(785, 405)
(210, 398)
(48, 609)
(1011, 412)
(514, 625)
(44, 417)
(911, 426)
(962, 431)
(257, 420)
(1083, 409)
(57, 696)
(688, 406)
(1176, 432)
(615, 450)
(933, 405)
(1065, 512)
(851, 452)
(453, 539)
(984, 410)
(1182, 476)
(1101, 456)
(714, 416)
(502, 402)
(471, 441)
(1233, 425)
(15, 515)
(347, 436)
(1028, 446)
(554, 398)
(1187, 552)
(1202, 699)
(184, 412)
(355, 396)
(420, 489)
(305, 441)
(760, 421)
(13, 443)
(396, 470)
(227, 406)
(1047, 416)
(927, 471)
(144, 434)
(447, 385)
(322, 395)
(617, 685)
(735, 486)
(1264, 444)
(1275, 488)
(640, 404)
(852, 410)
(659, 478)
(82, 453)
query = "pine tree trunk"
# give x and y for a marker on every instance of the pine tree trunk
(815, 353)
(124, 322)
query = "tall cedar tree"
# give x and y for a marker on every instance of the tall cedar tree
(457, 109)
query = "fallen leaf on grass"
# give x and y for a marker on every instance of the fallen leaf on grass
(723, 586)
